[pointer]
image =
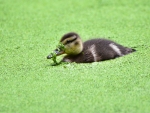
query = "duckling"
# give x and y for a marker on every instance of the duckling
(93, 50)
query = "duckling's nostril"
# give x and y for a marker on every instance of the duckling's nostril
(56, 51)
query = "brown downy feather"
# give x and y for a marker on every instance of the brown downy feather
(93, 50)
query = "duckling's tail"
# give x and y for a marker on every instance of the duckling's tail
(133, 50)
(129, 50)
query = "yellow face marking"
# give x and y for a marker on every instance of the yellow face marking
(72, 45)
(72, 48)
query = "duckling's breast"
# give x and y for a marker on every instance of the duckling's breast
(83, 57)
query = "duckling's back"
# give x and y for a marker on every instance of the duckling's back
(103, 49)
(99, 50)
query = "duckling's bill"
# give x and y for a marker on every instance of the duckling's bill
(55, 53)
(58, 51)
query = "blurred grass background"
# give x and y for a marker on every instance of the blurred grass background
(30, 30)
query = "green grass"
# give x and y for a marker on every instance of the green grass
(30, 30)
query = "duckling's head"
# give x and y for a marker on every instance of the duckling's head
(72, 43)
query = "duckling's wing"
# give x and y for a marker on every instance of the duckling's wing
(106, 49)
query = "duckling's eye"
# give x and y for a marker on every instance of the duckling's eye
(68, 41)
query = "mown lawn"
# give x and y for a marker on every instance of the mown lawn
(30, 30)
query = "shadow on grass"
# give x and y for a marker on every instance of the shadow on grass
(58, 64)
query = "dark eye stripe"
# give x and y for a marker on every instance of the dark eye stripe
(69, 41)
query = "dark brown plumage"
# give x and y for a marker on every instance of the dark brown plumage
(93, 50)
